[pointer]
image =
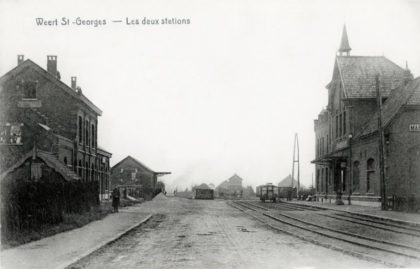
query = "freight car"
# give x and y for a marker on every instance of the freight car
(267, 192)
(204, 194)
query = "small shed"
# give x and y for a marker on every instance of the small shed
(203, 192)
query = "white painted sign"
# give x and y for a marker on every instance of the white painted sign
(414, 128)
(342, 144)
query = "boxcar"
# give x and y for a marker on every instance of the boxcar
(287, 193)
(267, 192)
(205, 194)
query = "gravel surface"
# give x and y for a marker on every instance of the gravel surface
(210, 234)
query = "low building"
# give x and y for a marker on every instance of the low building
(203, 192)
(230, 188)
(135, 179)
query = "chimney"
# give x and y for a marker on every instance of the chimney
(73, 83)
(52, 65)
(21, 58)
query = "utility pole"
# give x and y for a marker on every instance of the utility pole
(381, 146)
(296, 160)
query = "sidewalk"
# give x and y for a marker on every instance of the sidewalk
(402, 217)
(61, 250)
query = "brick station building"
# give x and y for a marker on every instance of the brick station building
(135, 179)
(41, 114)
(347, 137)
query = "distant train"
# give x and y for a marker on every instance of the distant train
(267, 192)
(272, 193)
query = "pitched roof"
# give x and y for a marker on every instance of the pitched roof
(28, 63)
(101, 150)
(235, 177)
(287, 182)
(50, 159)
(405, 95)
(414, 99)
(357, 73)
(144, 167)
(135, 161)
(202, 186)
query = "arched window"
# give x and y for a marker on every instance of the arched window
(356, 176)
(92, 133)
(87, 133)
(80, 129)
(370, 174)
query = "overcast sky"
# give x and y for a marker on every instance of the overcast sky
(222, 95)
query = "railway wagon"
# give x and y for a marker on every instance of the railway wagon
(267, 192)
(287, 192)
(204, 194)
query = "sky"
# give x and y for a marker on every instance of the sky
(221, 95)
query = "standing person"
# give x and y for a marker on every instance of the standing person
(115, 199)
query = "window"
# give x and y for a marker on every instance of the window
(80, 129)
(317, 147)
(92, 133)
(370, 174)
(36, 170)
(29, 89)
(11, 134)
(87, 133)
(65, 161)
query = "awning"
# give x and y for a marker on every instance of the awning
(338, 156)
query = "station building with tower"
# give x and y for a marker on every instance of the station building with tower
(347, 134)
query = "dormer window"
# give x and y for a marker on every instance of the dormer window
(29, 89)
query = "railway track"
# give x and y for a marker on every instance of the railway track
(291, 219)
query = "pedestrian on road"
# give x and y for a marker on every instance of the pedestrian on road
(115, 199)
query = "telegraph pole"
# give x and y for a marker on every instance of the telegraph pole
(381, 146)
(296, 160)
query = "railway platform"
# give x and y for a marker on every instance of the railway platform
(412, 219)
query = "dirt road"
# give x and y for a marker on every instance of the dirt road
(210, 234)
